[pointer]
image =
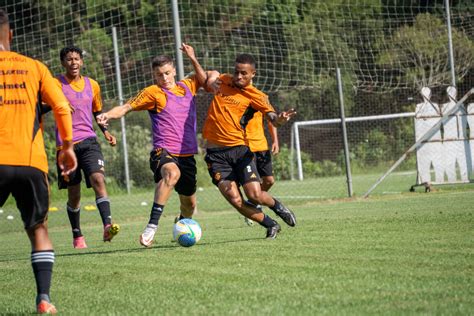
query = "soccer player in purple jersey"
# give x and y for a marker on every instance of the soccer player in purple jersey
(84, 96)
(172, 111)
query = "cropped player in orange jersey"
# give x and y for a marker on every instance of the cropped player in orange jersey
(258, 144)
(23, 163)
(229, 159)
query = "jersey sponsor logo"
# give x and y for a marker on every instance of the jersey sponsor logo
(5, 85)
(12, 102)
(230, 99)
(9, 72)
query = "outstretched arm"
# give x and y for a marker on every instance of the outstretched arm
(115, 113)
(109, 137)
(281, 118)
(201, 75)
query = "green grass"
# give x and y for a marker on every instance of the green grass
(409, 253)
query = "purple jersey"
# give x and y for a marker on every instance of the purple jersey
(82, 116)
(174, 128)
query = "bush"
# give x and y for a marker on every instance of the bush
(311, 169)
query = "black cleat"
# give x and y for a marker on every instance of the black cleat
(285, 214)
(273, 231)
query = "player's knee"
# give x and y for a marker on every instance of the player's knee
(255, 197)
(97, 179)
(171, 178)
(235, 200)
(268, 182)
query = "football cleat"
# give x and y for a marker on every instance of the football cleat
(273, 231)
(45, 307)
(285, 214)
(146, 238)
(110, 230)
(79, 242)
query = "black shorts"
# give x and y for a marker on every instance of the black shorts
(186, 184)
(89, 159)
(264, 163)
(232, 164)
(29, 186)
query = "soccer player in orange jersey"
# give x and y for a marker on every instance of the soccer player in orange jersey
(83, 93)
(229, 159)
(258, 144)
(172, 111)
(24, 82)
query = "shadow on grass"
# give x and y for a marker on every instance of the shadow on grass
(139, 249)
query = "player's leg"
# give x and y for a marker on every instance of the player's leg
(247, 171)
(94, 167)
(231, 192)
(74, 214)
(31, 192)
(267, 183)
(223, 169)
(166, 175)
(186, 187)
(263, 161)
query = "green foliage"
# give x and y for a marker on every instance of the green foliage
(419, 52)
(138, 148)
(311, 169)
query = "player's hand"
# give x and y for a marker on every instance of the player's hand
(285, 116)
(110, 138)
(275, 148)
(188, 50)
(103, 119)
(67, 159)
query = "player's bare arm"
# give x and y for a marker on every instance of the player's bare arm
(281, 118)
(109, 137)
(67, 158)
(201, 75)
(274, 135)
(115, 113)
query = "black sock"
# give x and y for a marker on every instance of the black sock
(268, 221)
(155, 214)
(74, 215)
(276, 206)
(103, 204)
(42, 263)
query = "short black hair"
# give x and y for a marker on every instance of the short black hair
(245, 59)
(4, 17)
(161, 60)
(70, 49)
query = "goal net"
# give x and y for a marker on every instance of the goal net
(386, 50)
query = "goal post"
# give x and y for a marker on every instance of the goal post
(435, 128)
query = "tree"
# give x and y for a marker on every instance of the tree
(418, 53)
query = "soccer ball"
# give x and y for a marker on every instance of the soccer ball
(187, 232)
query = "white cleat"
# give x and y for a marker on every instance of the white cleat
(146, 238)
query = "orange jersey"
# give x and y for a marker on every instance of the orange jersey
(78, 86)
(225, 121)
(153, 97)
(22, 81)
(256, 133)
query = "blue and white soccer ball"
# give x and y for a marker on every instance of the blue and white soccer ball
(187, 232)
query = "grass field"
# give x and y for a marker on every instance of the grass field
(409, 253)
